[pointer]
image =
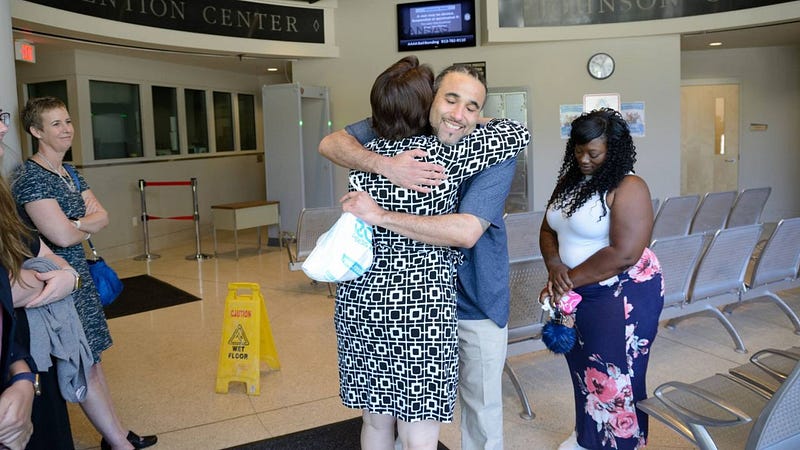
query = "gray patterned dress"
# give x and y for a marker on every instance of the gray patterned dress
(396, 325)
(34, 182)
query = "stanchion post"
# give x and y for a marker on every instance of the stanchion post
(198, 255)
(147, 256)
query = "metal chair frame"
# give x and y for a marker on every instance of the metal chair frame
(776, 269)
(526, 319)
(522, 229)
(675, 215)
(713, 212)
(721, 412)
(718, 279)
(748, 207)
(311, 224)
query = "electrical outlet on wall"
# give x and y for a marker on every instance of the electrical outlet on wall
(135, 221)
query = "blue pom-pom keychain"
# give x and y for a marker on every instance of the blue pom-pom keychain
(558, 333)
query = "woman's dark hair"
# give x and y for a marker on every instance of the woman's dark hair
(401, 98)
(572, 189)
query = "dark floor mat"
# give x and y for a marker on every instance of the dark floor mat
(144, 293)
(343, 435)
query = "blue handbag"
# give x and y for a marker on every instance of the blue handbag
(107, 282)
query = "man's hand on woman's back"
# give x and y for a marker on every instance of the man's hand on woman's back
(406, 170)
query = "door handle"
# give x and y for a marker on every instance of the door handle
(730, 160)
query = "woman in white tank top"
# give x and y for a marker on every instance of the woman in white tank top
(594, 241)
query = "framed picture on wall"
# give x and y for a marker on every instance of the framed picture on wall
(566, 114)
(597, 101)
(633, 113)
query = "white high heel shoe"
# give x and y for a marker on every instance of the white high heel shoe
(571, 443)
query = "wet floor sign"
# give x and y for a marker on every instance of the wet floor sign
(246, 339)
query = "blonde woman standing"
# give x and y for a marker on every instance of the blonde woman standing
(66, 212)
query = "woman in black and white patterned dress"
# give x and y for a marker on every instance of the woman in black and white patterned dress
(396, 325)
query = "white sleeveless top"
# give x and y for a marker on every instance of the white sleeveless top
(584, 233)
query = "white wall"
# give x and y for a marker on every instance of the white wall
(8, 91)
(769, 79)
(648, 69)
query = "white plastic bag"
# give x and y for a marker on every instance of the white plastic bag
(342, 253)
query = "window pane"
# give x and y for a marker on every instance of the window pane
(196, 121)
(719, 125)
(165, 120)
(247, 122)
(56, 89)
(223, 121)
(116, 127)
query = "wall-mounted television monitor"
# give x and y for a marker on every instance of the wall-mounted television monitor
(435, 24)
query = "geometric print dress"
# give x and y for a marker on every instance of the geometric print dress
(33, 182)
(396, 325)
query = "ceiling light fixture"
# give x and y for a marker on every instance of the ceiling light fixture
(272, 69)
(714, 44)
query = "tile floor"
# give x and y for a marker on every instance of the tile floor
(162, 367)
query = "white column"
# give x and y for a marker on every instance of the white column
(8, 89)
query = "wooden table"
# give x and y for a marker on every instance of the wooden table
(243, 215)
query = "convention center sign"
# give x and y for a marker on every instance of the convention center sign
(543, 13)
(219, 17)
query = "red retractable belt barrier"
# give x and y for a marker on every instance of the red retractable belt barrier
(146, 218)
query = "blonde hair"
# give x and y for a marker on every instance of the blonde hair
(35, 107)
(15, 235)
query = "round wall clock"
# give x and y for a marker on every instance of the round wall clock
(600, 66)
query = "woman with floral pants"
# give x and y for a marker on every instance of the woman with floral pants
(594, 242)
(616, 323)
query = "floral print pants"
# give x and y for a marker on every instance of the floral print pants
(616, 323)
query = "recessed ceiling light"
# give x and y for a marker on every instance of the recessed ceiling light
(714, 44)
(272, 69)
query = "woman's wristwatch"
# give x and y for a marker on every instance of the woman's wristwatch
(77, 223)
(28, 376)
(78, 281)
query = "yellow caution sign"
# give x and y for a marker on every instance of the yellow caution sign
(246, 339)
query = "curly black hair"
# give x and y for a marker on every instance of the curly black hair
(573, 189)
